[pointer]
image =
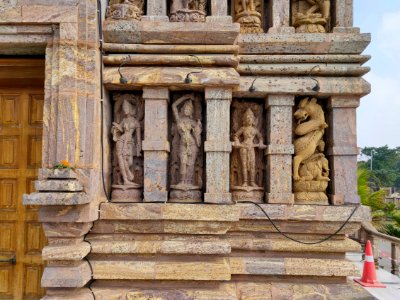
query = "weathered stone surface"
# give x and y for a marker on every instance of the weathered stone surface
(63, 252)
(320, 267)
(196, 269)
(56, 174)
(169, 211)
(304, 43)
(329, 86)
(172, 60)
(257, 266)
(297, 59)
(168, 49)
(74, 276)
(54, 230)
(68, 214)
(164, 77)
(146, 32)
(68, 294)
(56, 198)
(161, 247)
(58, 186)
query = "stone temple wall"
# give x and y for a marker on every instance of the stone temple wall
(207, 106)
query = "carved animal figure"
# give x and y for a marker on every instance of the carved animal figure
(310, 129)
(315, 168)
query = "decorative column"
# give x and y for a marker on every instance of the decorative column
(344, 13)
(280, 149)
(156, 11)
(155, 145)
(219, 12)
(217, 145)
(281, 17)
(342, 149)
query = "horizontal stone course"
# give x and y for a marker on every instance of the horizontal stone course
(57, 198)
(58, 186)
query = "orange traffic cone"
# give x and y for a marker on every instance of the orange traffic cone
(368, 278)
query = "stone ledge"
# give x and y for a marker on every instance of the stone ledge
(68, 294)
(304, 43)
(170, 76)
(57, 174)
(168, 211)
(84, 213)
(74, 276)
(293, 59)
(56, 198)
(189, 246)
(58, 186)
(149, 269)
(148, 32)
(329, 86)
(66, 252)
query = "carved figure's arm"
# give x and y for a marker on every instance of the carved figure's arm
(236, 136)
(177, 103)
(309, 126)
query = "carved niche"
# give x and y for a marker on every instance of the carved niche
(248, 14)
(127, 161)
(188, 11)
(310, 166)
(311, 16)
(125, 9)
(247, 158)
(186, 163)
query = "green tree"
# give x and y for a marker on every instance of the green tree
(384, 164)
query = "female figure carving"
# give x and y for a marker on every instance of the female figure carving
(126, 131)
(249, 133)
(189, 131)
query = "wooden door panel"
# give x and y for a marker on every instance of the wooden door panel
(21, 235)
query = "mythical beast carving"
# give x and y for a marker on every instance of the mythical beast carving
(310, 167)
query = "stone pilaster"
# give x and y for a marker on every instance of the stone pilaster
(219, 12)
(280, 149)
(155, 145)
(156, 11)
(217, 145)
(344, 13)
(280, 11)
(342, 149)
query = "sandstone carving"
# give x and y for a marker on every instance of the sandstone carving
(186, 158)
(247, 162)
(311, 16)
(127, 158)
(248, 14)
(188, 11)
(310, 167)
(125, 9)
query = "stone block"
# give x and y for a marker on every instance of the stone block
(56, 174)
(319, 267)
(56, 198)
(68, 294)
(73, 276)
(58, 186)
(65, 252)
(69, 214)
(64, 230)
(257, 266)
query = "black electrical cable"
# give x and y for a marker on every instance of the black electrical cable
(298, 241)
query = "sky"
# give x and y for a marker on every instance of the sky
(378, 118)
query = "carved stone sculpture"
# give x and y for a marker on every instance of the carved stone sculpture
(311, 16)
(310, 167)
(125, 9)
(188, 11)
(186, 158)
(247, 161)
(127, 158)
(248, 14)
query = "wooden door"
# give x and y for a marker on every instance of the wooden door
(21, 119)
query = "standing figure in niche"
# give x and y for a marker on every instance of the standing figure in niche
(128, 142)
(251, 139)
(189, 131)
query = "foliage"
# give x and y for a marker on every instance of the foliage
(385, 216)
(385, 165)
(63, 164)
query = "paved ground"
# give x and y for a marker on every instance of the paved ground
(391, 292)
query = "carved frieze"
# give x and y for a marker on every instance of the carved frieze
(186, 149)
(127, 162)
(125, 9)
(247, 160)
(310, 166)
(248, 14)
(188, 11)
(311, 16)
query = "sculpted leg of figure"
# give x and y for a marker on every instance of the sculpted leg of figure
(252, 166)
(183, 166)
(243, 158)
(129, 163)
(325, 7)
(296, 164)
(123, 169)
(191, 165)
